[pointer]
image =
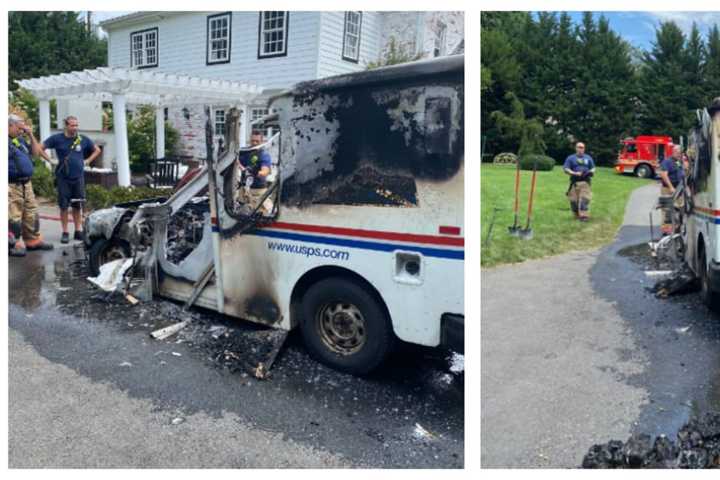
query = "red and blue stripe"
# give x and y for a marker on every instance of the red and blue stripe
(450, 245)
(707, 214)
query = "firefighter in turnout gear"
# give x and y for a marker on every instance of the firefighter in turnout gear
(672, 174)
(23, 219)
(580, 167)
(256, 165)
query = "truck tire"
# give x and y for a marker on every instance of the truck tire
(644, 171)
(709, 298)
(345, 327)
(103, 251)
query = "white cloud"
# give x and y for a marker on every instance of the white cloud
(102, 16)
(704, 20)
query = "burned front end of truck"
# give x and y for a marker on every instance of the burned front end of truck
(355, 235)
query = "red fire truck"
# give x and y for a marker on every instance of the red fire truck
(642, 155)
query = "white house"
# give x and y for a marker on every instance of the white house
(273, 50)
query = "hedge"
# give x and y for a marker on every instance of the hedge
(543, 162)
(96, 197)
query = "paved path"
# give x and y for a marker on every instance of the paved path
(89, 388)
(68, 421)
(575, 351)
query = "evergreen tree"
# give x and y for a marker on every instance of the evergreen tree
(712, 66)
(663, 91)
(46, 43)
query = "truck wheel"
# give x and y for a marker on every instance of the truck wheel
(103, 251)
(345, 327)
(644, 171)
(709, 297)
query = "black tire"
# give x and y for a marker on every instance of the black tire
(709, 297)
(327, 308)
(103, 251)
(644, 171)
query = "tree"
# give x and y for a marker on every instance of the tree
(664, 105)
(525, 132)
(46, 43)
(141, 139)
(394, 55)
(712, 65)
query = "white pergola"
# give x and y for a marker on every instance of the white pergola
(124, 87)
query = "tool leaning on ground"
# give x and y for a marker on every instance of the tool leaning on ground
(515, 228)
(527, 232)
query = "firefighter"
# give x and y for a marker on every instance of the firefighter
(74, 152)
(257, 166)
(672, 173)
(23, 219)
(580, 167)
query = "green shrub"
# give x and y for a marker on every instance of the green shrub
(141, 139)
(43, 181)
(99, 197)
(505, 158)
(544, 162)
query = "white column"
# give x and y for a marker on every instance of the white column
(244, 122)
(160, 132)
(44, 114)
(122, 155)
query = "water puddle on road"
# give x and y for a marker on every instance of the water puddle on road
(683, 339)
(416, 384)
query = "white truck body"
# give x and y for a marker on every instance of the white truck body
(701, 233)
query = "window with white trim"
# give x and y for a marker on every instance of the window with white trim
(144, 48)
(219, 122)
(218, 38)
(440, 47)
(257, 114)
(351, 39)
(273, 34)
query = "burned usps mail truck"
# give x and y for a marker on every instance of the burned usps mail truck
(358, 238)
(700, 215)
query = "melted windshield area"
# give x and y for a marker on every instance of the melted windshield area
(250, 183)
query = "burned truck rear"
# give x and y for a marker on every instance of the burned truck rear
(359, 241)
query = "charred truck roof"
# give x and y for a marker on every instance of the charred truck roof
(367, 137)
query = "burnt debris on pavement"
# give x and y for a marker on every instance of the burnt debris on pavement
(671, 276)
(697, 445)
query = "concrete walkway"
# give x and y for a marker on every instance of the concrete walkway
(555, 359)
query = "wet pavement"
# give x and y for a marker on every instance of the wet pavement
(408, 414)
(577, 350)
(678, 335)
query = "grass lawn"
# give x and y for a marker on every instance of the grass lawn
(555, 228)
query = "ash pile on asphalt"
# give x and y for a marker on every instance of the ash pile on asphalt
(697, 446)
(236, 346)
(680, 281)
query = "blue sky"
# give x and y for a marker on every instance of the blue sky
(638, 28)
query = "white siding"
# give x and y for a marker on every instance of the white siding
(455, 22)
(331, 43)
(415, 32)
(182, 48)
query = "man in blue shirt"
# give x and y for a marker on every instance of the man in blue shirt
(73, 152)
(580, 167)
(257, 166)
(672, 174)
(23, 219)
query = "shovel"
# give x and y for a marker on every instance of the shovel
(527, 232)
(515, 229)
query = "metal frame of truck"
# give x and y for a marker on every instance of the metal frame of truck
(365, 243)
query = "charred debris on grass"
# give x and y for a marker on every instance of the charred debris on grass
(697, 445)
